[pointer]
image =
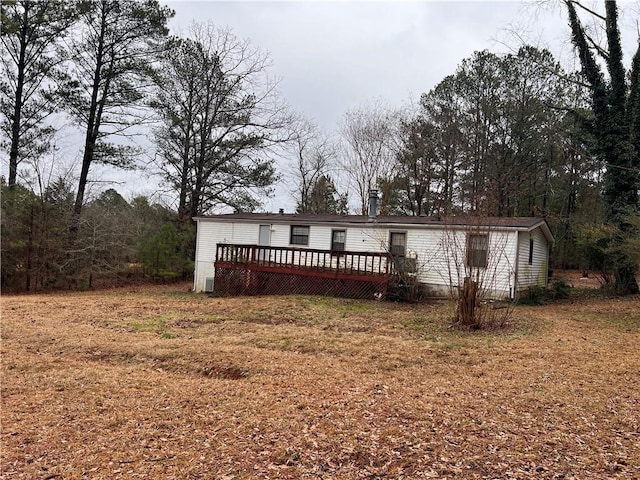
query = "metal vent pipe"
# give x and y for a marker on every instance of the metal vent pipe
(373, 204)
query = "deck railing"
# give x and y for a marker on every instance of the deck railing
(339, 262)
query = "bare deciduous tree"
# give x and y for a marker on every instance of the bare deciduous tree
(220, 116)
(315, 158)
(368, 156)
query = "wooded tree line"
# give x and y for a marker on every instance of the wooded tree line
(111, 68)
(116, 241)
(503, 135)
(515, 135)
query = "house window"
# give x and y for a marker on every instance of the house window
(398, 244)
(530, 251)
(338, 240)
(398, 249)
(299, 235)
(477, 250)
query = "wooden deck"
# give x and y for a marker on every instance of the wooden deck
(257, 269)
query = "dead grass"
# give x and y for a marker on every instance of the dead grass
(161, 383)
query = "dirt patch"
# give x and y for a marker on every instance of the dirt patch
(167, 384)
(169, 363)
(579, 279)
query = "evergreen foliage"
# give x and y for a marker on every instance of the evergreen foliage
(615, 107)
(165, 255)
(33, 231)
(324, 199)
(113, 53)
(30, 34)
(116, 240)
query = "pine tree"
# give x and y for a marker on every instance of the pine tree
(30, 33)
(113, 63)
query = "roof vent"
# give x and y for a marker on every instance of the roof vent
(281, 211)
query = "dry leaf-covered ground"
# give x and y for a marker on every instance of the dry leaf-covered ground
(161, 383)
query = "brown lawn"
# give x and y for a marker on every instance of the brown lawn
(161, 383)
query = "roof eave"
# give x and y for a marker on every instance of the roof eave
(366, 222)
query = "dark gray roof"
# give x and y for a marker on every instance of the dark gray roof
(513, 222)
(517, 223)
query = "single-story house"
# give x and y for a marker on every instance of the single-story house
(506, 255)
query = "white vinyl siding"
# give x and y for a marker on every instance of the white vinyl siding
(440, 254)
(210, 233)
(534, 273)
(442, 259)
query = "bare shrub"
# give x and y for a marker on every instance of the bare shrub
(476, 258)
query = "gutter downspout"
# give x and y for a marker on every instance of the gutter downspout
(546, 273)
(515, 273)
(195, 264)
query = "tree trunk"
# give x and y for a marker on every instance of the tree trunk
(93, 127)
(466, 309)
(17, 111)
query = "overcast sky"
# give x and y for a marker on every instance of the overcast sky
(334, 56)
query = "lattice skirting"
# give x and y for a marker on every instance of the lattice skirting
(236, 282)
